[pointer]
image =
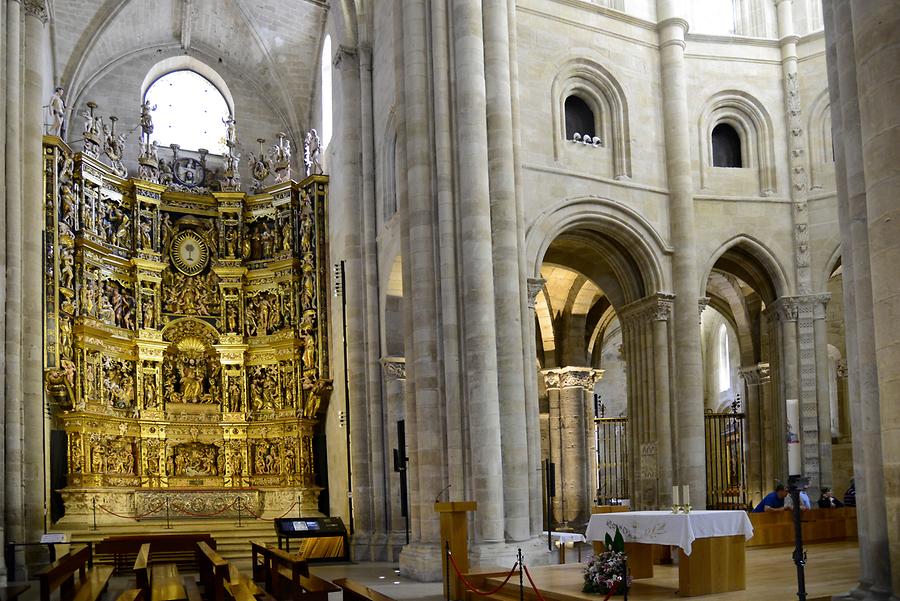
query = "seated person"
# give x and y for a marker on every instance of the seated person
(774, 501)
(805, 503)
(850, 495)
(827, 500)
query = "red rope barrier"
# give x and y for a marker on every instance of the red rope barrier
(531, 581)
(471, 587)
(255, 516)
(613, 590)
(202, 515)
(286, 512)
(132, 517)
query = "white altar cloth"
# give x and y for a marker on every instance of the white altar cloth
(567, 537)
(667, 528)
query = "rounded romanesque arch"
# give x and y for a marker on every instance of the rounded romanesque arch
(610, 225)
(750, 260)
(749, 118)
(601, 92)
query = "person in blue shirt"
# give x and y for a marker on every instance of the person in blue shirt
(774, 501)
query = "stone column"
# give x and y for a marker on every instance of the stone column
(688, 361)
(36, 458)
(478, 294)
(757, 483)
(865, 414)
(394, 385)
(13, 418)
(571, 418)
(823, 389)
(532, 408)
(875, 26)
(506, 250)
(424, 414)
(661, 312)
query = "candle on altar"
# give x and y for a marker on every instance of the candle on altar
(686, 494)
(675, 496)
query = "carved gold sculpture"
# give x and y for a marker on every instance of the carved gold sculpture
(186, 340)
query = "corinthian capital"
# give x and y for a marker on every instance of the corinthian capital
(36, 8)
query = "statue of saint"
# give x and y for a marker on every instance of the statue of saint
(191, 384)
(57, 112)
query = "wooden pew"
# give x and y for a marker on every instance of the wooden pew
(75, 576)
(776, 528)
(287, 576)
(180, 549)
(132, 594)
(355, 591)
(213, 572)
(159, 581)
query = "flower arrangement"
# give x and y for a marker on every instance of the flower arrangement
(605, 573)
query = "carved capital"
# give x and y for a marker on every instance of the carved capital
(394, 368)
(572, 377)
(535, 285)
(785, 308)
(656, 307)
(841, 368)
(37, 9)
(702, 303)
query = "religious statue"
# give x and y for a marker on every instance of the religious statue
(230, 132)
(114, 147)
(191, 383)
(235, 394)
(67, 267)
(145, 229)
(57, 106)
(149, 313)
(259, 167)
(312, 152)
(150, 399)
(68, 201)
(146, 121)
(280, 154)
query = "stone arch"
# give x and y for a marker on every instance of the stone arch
(604, 95)
(189, 63)
(620, 226)
(749, 118)
(753, 262)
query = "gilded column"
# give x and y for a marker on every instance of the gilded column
(688, 362)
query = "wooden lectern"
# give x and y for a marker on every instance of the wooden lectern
(455, 532)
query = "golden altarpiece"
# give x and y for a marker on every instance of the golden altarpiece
(186, 339)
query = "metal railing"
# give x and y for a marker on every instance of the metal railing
(611, 437)
(726, 461)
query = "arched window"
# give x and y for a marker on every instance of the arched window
(326, 91)
(713, 16)
(579, 118)
(189, 111)
(726, 146)
(724, 361)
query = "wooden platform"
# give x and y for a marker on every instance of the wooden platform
(831, 568)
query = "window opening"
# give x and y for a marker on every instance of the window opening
(724, 362)
(579, 118)
(726, 146)
(326, 92)
(190, 111)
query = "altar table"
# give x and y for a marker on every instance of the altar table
(564, 538)
(711, 545)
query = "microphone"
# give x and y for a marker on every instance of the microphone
(443, 490)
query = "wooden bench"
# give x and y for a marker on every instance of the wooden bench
(356, 591)
(75, 576)
(287, 576)
(213, 572)
(159, 581)
(776, 528)
(132, 594)
(180, 549)
(12, 592)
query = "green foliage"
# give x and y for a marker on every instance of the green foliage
(616, 543)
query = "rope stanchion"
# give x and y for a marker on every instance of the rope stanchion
(472, 588)
(537, 591)
(131, 517)
(250, 511)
